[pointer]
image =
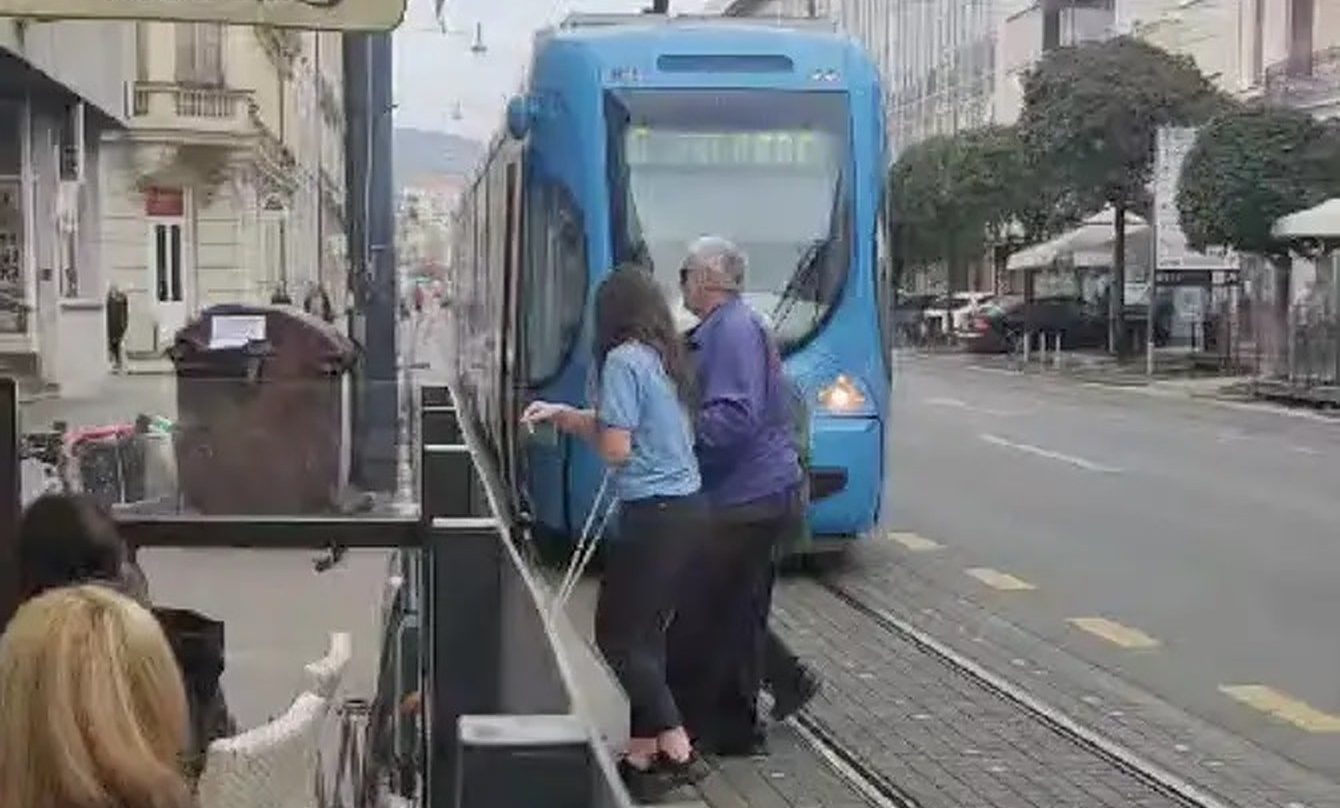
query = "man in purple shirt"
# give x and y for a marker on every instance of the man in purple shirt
(751, 477)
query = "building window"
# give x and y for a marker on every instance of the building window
(1258, 41)
(142, 40)
(274, 237)
(70, 142)
(1051, 28)
(200, 54)
(1301, 45)
(13, 282)
(167, 262)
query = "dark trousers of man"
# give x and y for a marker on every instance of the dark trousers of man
(719, 643)
(638, 591)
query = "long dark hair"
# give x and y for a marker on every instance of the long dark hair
(630, 306)
(67, 539)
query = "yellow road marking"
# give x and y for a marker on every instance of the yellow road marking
(913, 542)
(1284, 707)
(1114, 632)
(1000, 580)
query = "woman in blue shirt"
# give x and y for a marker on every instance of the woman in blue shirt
(641, 427)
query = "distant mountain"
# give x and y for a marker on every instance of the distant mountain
(420, 151)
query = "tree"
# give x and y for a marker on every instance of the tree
(954, 196)
(930, 228)
(1251, 167)
(1246, 170)
(1092, 113)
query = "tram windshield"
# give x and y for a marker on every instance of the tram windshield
(763, 168)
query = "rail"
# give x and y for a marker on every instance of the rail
(464, 636)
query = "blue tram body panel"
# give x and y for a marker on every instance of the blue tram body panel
(630, 132)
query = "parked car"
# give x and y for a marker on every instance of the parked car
(950, 314)
(999, 326)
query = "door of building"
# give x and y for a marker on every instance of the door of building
(168, 275)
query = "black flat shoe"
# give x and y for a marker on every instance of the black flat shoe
(644, 785)
(742, 745)
(793, 699)
(684, 772)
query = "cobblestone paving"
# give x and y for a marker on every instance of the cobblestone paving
(1226, 766)
(791, 776)
(941, 737)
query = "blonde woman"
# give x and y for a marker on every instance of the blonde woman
(92, 710)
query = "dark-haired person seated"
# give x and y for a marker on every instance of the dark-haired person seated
(69, 539)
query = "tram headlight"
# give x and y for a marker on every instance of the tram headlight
(843, 397)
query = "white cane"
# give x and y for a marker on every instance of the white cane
(587, 543)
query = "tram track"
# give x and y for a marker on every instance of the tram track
(1120, 757)
(879, 791)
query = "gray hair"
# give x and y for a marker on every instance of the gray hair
(723, 264)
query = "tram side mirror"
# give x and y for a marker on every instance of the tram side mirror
(519, 117)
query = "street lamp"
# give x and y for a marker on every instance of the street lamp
(442, 28)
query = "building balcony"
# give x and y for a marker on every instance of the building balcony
(208, 113)
(1308, 84)
(199, 136)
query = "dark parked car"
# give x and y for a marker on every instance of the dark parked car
(999, 326)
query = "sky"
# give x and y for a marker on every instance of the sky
(437, 75)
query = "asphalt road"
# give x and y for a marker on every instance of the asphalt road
(1191, 547)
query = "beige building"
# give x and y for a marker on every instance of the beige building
(1030, 28)
(63, 87)
(1284, 51)
(228, 184)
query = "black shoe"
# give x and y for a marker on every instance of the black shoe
(684, 772)
(644, 785)
(793, 699)
(752, 744)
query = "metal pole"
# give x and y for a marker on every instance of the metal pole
(10, 505)
(1149, 322)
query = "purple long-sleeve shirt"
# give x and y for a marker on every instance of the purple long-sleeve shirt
(745, 448)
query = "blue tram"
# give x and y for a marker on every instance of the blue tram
(636, 134)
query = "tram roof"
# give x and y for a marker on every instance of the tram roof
(620, 33)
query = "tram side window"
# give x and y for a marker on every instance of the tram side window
(885, 283)
(556, 280)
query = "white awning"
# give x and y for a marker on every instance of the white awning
(1322, 221)
(1092, 235)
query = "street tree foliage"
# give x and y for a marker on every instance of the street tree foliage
(1092, 113)
(929, 226)
(1249, 168)
(952, 197)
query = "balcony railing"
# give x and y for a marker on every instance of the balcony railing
(167, 105)
(1297, 84)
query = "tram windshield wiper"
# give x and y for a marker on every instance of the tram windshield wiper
(807, 282)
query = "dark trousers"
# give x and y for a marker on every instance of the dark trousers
(783, 671)
(720, 646)
(642, 578)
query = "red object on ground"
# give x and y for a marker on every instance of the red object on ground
(77, 437)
